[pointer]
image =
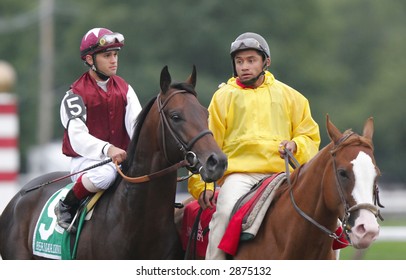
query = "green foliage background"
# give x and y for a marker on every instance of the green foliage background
(345, 56)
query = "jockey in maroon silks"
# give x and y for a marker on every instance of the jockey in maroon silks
(98, 113)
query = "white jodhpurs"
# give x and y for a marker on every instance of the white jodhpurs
(235, 185)
(100, 177)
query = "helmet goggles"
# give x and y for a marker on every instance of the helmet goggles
(106, 42)
(110, 39)
(247, 43)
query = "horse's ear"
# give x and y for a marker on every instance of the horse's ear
(333, 131)
(369, 128)
(192, 78)
(165, 79)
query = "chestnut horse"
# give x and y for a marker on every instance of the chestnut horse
(134, 218)
(339, 183)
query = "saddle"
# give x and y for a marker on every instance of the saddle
(245, 221)
(249, 212)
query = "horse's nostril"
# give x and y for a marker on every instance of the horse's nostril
(216, 162)
(212, 161)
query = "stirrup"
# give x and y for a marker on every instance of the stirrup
(179, 205)
(72, 228)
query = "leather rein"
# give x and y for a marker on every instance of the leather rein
(190, 161)
(290, 159)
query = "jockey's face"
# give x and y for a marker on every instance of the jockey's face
(249, 64)
(106, 62)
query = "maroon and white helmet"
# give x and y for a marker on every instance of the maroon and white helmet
(100, 39)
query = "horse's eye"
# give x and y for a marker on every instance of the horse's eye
(175, 117)
(342, 173)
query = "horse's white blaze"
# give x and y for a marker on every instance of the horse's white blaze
(365, 173)
(366, 227)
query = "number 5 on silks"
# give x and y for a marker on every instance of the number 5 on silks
(75, 108)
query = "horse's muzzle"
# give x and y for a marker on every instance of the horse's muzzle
(214, 167)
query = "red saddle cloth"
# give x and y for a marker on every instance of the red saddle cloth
(202, 237)
(231, 239)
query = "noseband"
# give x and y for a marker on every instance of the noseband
(186, 148)
(347, 210)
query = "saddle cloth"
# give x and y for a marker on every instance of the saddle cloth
(201, 238)
(244, 223)
(249, 212)
(52, 241)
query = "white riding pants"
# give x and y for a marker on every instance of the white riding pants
(96, 179)
(235, 185)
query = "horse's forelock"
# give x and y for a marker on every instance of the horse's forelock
(354, 141)
(185, 86)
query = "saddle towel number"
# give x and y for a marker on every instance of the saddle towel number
(75, 108)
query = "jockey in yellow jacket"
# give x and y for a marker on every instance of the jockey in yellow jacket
(252, 118)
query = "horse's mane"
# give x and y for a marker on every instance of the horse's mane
(137, 128)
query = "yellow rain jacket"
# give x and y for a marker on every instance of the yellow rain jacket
(249, 124)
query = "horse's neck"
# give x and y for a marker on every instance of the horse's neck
(309, 188)
(159, 187)
(148, 159)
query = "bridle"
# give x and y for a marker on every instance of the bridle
(182, 145)
(373, 208)
(289, 158)
(190, 161)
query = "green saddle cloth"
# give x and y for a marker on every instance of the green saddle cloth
(50, 240)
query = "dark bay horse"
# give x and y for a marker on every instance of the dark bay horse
(340, 182)
(134, 218)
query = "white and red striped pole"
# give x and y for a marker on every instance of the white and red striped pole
(9, 164)
(9, 135)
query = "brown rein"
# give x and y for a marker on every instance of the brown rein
(146, 178)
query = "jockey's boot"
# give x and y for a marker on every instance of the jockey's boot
(66, 209)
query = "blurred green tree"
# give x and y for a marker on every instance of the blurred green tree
(345, 56)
